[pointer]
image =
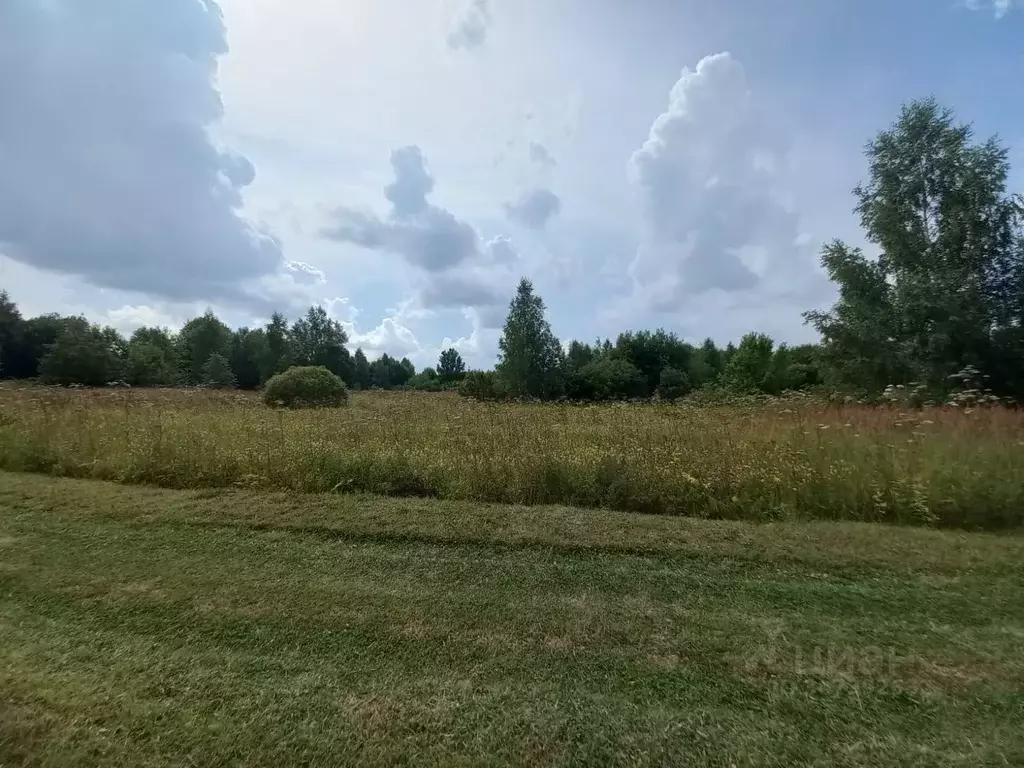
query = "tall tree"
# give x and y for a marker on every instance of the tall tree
(278, 354)
(363, 375)
(750, 367)
(946, 288)
(199, 338)
(320, 340)
(382, 371)
(13, 330)
(406, 370)
(578, 355)
(248, 348)
(450, 366)
(530, 357)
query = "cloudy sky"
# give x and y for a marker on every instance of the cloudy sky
(652, 163)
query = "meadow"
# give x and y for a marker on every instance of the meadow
(795, 459)
(144, 627)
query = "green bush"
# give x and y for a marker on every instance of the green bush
(311, 386)
(483, 385)
(607, 378)
(673, 384)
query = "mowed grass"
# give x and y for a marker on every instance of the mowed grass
(141, 626)
(794, 460)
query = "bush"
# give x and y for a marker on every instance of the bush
(608, 378)
(673, 384)
(483, 385)
(311, 386)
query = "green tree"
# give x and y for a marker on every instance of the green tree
(82, 353)
(320, 340)
(674, 384)
(450, 366)
(217, 373)
(150, 358)
(750, 365)
(947, 288)
(278, 353)
(406, 370)
(578, 355)
(608, 378)
(13, 340)
(361, 366)
(382, 370)
(530, 357)
(653, 352)
(426, 380)
(248, 348)
(40, 334)
(707, 364)
(199, 338)
(387, 373)
(146, 365)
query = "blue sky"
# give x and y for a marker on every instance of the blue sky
(646, 163)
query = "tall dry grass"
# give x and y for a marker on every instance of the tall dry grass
(954, 467)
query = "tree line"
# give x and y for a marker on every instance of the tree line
(205, 352)
(944, 295)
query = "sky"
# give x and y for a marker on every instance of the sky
(652, 163)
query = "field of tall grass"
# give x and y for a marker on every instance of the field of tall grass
(795, 459)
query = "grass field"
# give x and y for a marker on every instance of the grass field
(141, 626)
(793, 460)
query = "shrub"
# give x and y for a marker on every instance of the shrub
(607, 378)
(311, 386)
(483, 385)
(673, 384)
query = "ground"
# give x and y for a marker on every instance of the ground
(141, 626)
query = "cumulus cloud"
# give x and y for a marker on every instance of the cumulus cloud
(460, 269)
(534, 208)
(705, 180)
(469, 29)
(108, 169)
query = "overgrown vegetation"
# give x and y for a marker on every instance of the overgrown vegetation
(142, 627)
(779, 459)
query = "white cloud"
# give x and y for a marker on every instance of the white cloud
(109, 172)
(128, 318)
(469, 29)
(712, 218)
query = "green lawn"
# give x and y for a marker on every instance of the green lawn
(142, 627)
